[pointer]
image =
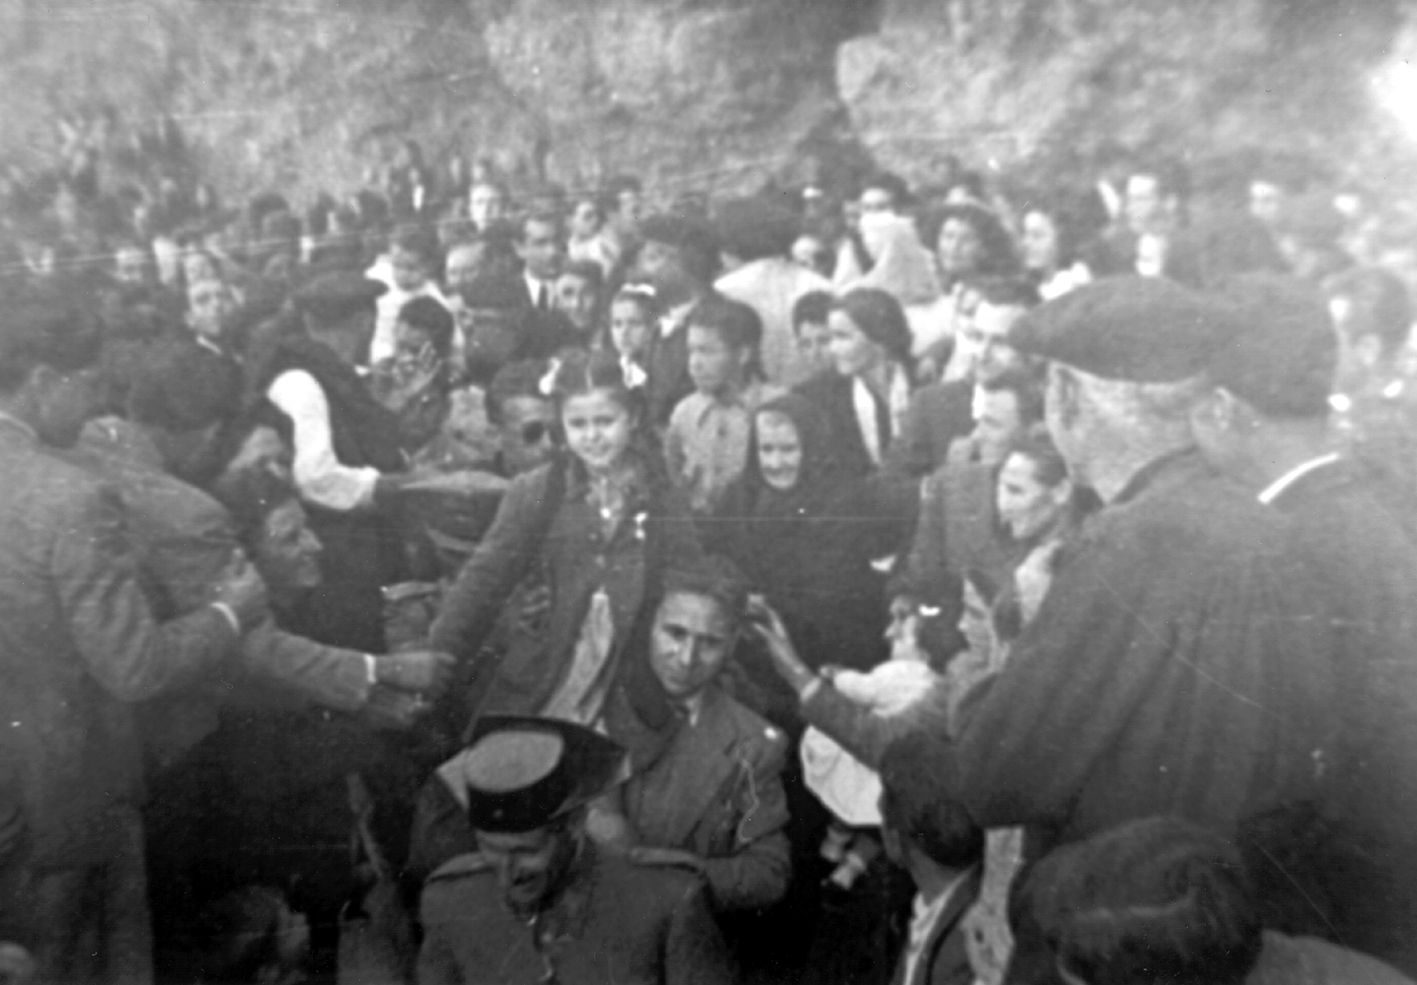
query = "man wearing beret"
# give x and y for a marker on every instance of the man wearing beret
(679, 258)
(540, 901)
(1176, 665)
(346, 456)
(1266, 423)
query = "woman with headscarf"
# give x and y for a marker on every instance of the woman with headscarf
(863, 398)
(804, 531)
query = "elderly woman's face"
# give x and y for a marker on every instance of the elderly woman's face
(779, 451)
(959, 247)
(1040, 242)
(852, 352)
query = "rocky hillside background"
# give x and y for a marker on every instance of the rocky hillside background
(717, 94)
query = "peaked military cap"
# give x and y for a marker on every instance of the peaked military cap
(521, 772)
(1141, 329)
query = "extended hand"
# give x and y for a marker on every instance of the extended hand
(242, 588)
(425, 671)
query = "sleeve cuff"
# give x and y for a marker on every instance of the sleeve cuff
(810, 690)
(371, 670)
(229, 614)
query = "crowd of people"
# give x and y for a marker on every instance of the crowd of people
(475, 580)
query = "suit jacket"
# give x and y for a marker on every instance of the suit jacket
(184, 540)
(573, 558)
(831, 392)
(78, 645)
(616, 921)
(944, 959)
(938, 414)
(717, 791)
(1369, 572)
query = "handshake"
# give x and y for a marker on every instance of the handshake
(407, 686)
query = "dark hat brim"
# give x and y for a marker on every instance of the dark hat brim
(590, 764)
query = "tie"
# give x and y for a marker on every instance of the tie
(543, 297)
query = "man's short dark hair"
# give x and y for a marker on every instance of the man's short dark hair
(421, 241)
(917, 804)
(890, 183)
(543, 216)
(42, 328)
(587, 270)
(1006, 291)
(1150, 901)
(713, 576)
(182, 386)
(1381, 306)
(431, 318)
(1026, 389)
(814, 307)
(517, 379)
(735, 323)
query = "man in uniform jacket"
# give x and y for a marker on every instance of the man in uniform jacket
(1175, 665)
(1266, 423)
(712, 799)
(540, 901)
(78, 645)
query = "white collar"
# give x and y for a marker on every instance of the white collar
(1276, 488)
(670, 321)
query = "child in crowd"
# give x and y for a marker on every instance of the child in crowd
(707, 441)
(413, 260)
(577, 296)
(809, 324)
(633, 315)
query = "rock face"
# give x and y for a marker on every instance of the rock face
(1035, 85)
(686, 93)
(702, 94)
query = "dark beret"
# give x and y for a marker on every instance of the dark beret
(1282, 353)
(1141, 329)
(498, 291)
(337, 294)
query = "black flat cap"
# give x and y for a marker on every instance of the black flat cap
(1282, 354)
(337, 294)
(1141, 329)
(521, 773)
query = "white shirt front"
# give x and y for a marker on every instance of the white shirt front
(319, 476)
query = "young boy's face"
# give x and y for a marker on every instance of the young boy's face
(411, 344)
(575, 297)
(629, 328)
(812, 339)
(714, 366)
(410, 272)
